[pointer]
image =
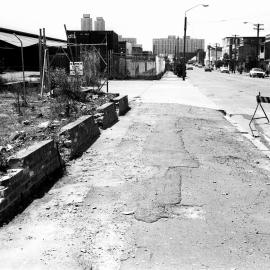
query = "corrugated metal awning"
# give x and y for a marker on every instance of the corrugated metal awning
(28, 41)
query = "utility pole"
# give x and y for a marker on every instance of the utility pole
(257, 27)
(185, 37)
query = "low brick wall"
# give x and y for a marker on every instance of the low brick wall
(109, 114)
(122, 103)
(11, 186)
(29, 168)
(78, 136)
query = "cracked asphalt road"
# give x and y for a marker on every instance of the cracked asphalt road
(169, 186)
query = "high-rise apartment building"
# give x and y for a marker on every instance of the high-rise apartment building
(99, 24)
(175, 45)
(86, 23)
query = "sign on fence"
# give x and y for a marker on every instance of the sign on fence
(76, 68)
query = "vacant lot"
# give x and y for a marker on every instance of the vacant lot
(40, 118)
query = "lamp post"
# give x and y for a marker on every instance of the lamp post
(185, 28)
(257, 27)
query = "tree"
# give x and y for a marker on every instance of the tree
(226, 58)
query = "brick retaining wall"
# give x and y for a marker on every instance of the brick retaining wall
(80, 134)
(29, 168)
(109, 114)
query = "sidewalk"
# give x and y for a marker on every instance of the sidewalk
(170, 186)
(170, 89)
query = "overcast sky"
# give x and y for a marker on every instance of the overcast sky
(143, 19)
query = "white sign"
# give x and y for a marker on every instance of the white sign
(76, 68)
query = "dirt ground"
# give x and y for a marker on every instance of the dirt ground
(168, 187)
(41, 119)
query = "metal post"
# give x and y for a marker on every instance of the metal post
(45, 60)
(185, 28)
(22, 58)
(43, 73)
(107, 71)
(40, 55)
(185, 37)
(184, 51)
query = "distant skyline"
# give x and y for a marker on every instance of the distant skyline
(145, 20)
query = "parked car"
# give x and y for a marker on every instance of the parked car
(257, 72)
(189, 67)
(208, 69)
(224, 70)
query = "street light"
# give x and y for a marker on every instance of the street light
(257, 28)
(185, 28)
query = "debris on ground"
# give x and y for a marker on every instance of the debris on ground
(41, 119)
